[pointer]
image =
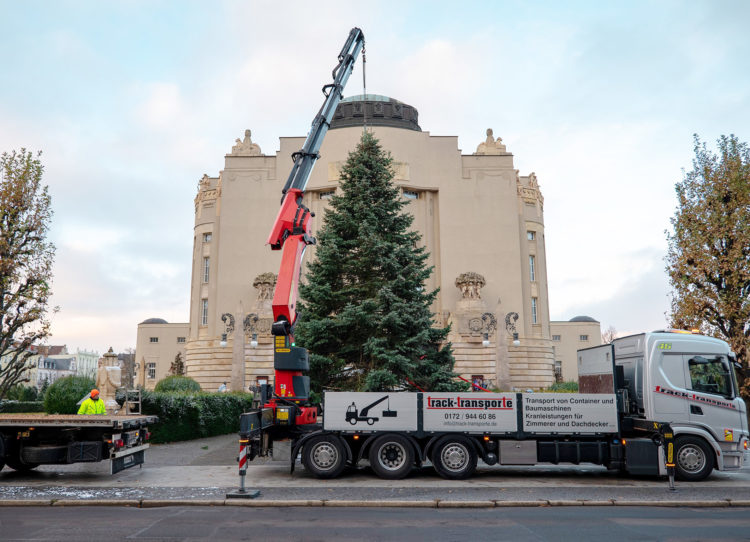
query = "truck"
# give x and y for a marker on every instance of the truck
(30, 440)
(652, 404)
(687, 381)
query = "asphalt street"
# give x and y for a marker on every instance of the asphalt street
(577, 524)
(206, 469)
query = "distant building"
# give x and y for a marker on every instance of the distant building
(569, 337)
(86, 363)
(52, 368)
(157, 344)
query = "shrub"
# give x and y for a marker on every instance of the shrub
(177, 383)
(187, 416)
(19, 392)
(14, 407)
(564, 387)
(64, 393)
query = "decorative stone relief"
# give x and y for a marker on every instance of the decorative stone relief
(491, 145)
(470, 285)
(264, 283)
(246, 147)
(531, 193)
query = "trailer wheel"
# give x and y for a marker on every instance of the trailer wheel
(324, 456)
(454, 458)
(694, 459)
(391, 457)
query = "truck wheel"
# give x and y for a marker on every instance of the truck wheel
(454, 458)
(324, 456)
(391, 457)
(43, 454)
(694, 459)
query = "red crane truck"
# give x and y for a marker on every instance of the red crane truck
(618, 424)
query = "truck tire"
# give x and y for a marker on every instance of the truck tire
(324, 456)
(454, 458)
(43, 455)
(694, 459)
(391, 457)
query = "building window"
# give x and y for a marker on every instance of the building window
(151, 370)
(154, 339)
(207, 237)
(411, 194)
(206, 268)
(328, 194)
(204, 312)
(583, 337)
(533, 310)
(530, 235)
(180, 340)
(532, 268)
(555, 337)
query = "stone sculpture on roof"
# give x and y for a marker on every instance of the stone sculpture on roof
(246, 147)
(491, 145)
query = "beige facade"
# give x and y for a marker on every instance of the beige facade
(157, 345)
(571, 336)
(480, 220)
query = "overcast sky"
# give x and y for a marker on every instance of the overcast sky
(132, 102)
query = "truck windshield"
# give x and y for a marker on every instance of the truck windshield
(711, 375)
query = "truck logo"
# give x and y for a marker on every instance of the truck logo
(728, 435)
(353, 415)
(694, 397)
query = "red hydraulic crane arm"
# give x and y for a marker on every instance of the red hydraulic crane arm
(291, 230)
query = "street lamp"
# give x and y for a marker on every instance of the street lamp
(486, 340)
(516, 342)
(254, 341)
(223, 342)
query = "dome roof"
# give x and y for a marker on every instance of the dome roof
(378, 110)
(583, 319)
(155, 321)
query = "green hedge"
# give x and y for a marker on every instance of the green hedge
(187, 416)
(13, 407)
(177, 383)
(64, 393)
(564, 387)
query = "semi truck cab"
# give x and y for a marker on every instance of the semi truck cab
(689, 381)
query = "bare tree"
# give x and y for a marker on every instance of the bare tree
(26, 259)
(609, 335)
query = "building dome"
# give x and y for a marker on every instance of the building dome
(379, 110)
(584, 319)
(155, 321)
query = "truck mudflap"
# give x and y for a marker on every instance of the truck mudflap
(128, 458)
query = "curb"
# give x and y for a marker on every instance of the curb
(437, 503)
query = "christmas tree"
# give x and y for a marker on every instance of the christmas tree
(365, 315)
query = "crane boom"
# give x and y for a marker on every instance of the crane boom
(291, 233)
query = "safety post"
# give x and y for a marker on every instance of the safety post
(242, 492)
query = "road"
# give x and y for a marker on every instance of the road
(577, 524)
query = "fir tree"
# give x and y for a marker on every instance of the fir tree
(365, 314)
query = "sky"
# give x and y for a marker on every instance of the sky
(131, 102)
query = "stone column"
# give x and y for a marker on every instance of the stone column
(108, 379)
(238, 352)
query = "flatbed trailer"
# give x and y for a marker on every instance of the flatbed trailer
(30, 440)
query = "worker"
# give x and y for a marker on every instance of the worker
(93, 405)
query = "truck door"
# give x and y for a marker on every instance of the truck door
(711, 396)
(668, 383)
